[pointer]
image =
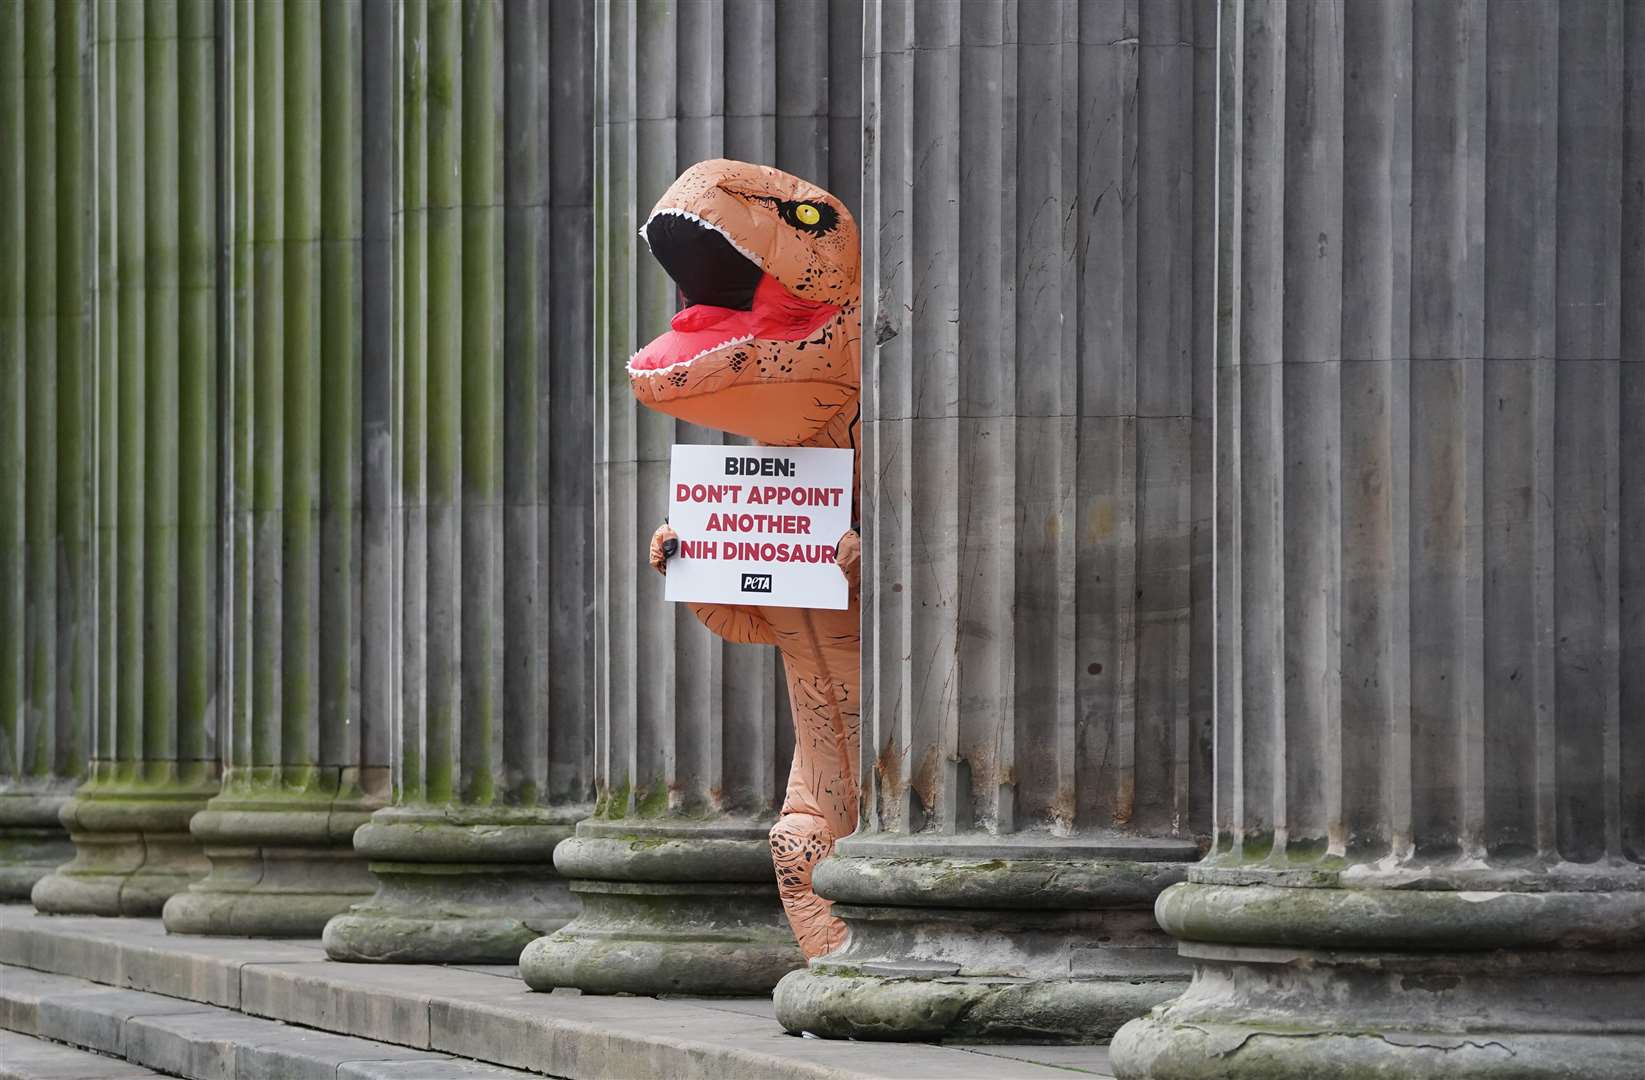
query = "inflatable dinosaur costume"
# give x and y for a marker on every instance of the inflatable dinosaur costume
(769, 346)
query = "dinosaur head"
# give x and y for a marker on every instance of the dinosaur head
(768, 344)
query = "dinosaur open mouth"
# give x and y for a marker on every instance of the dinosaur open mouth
(730, 300)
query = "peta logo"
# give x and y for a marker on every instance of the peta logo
(757, 583)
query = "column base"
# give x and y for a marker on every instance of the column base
(667, 908)
(1377, 982)
(33, 842)
(281, 864)
(1020, 942)
(912, 1006)
(455, 885)
(132, 850)
(1191, 1050)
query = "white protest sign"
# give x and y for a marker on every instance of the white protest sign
(758, 525)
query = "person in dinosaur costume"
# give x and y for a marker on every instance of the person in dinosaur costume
(768, 345)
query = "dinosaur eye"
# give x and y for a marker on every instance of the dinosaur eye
(816, 218)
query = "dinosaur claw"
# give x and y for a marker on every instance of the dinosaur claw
(848, 556)
(665, 544)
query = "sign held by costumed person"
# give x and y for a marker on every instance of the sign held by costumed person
(759, 525)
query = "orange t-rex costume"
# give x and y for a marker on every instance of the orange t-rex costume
(769, 346)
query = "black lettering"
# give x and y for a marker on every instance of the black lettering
(753, 466)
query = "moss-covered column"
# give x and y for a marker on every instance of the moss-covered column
(674, 869)
(306, 757)
(1430, 554)
(485, 417)
(155, 760)
(48, 395)
(1036, 521)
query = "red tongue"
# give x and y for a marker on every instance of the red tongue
(703, 317)
(777, 315)
(784, 316)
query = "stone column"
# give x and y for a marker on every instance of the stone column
(489, 440)
(154, 754)
(693, 738)
(1430, 552)
(48, 398)
(307, 750)
(1036, 585)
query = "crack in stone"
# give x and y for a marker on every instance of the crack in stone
(1459, 1043)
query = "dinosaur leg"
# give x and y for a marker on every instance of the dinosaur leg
(820, 805)
(799, 841)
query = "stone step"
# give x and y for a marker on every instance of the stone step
(488, 1014)
(204, 1042)
(23, 1057)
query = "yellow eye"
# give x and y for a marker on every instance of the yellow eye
(806, 214)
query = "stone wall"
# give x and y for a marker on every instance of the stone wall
(484, 438)
(154, 752)
(1253, 417)
(305, 753)
(1037, 223)
(1430, 414)
(343, 464)
(49, 370)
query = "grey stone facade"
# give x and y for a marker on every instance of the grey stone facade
(305, 754)
(1430, 471)
(1253, 516)
(48, 395)
(154, 751)
(484, 434)
(1036, 489)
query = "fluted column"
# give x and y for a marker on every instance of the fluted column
(306, 757)
(488, 432)
(154, 754)
(1430, 556)
(692, 734)
(1036, 491)
(48, 398)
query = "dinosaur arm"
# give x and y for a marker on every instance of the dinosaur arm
(848, 557)
(737, 623)
(664, 542)
(744, 625)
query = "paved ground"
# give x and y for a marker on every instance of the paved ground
(100, 999)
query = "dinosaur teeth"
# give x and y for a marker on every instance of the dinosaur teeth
(689, 216)
(726, 344)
